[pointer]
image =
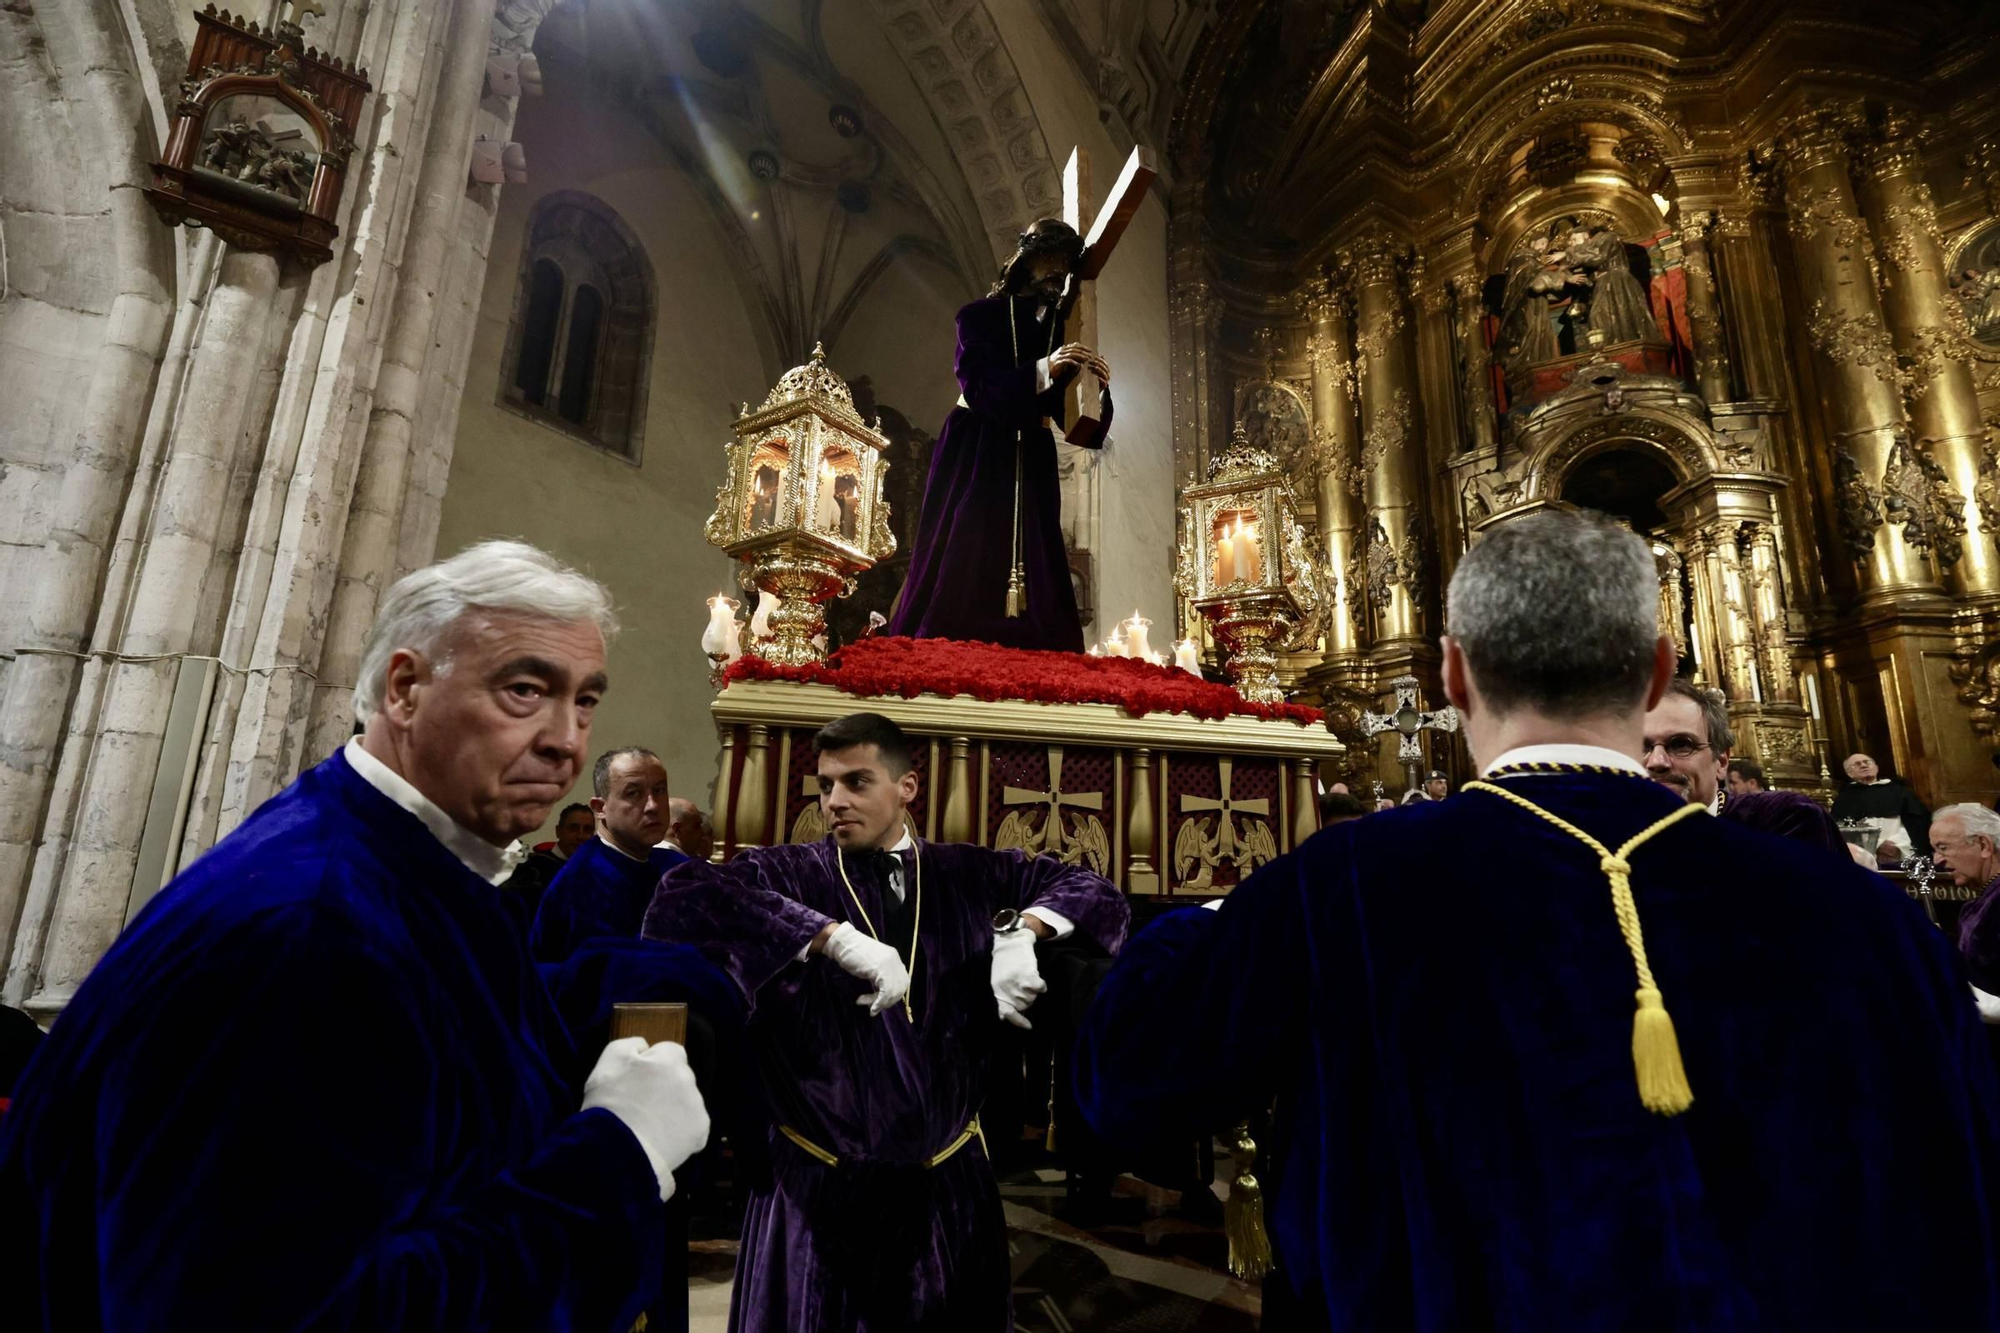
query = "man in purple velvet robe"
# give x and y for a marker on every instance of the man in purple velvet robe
(995, 448)
(1487, 1118)
(604, 888)
(882, 1212)
(318, 1083)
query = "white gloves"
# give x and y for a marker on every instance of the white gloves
(1989, 1006)
(652, 1090)
(1016, 979)
(874, 962)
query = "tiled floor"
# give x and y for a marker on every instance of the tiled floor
(1151, 1271)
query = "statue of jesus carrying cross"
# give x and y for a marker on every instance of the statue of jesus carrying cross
(988, 561)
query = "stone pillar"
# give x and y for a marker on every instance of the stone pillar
(1711, 346)
(1391, 455)
(1843, 319)
(1925, 322)
(1329, 350)
(1482, 426)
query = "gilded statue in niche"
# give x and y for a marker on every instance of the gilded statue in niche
(1275, 420)
(1569, 288)
(1975, 281)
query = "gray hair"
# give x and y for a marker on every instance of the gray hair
(1559, 613)
(1714, 712)
(1977, 819)
(506, 576)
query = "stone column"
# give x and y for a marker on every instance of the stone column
(1711, 348)
(1926, 323)
(1482, 426)
(1391, 457)
(1843, 319)
(1329, 351)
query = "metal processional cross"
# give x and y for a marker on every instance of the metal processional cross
(1407, 721)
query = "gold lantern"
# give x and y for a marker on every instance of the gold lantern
(802, 504)
(1246, 564)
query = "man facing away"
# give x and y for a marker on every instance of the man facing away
(878, 966)
(317, 1083)
(1595, 1086)
(1886, 805)
(607, 884)
(688, 830)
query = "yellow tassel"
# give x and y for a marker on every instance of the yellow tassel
(1250, 1256)
(1017, 594)
(1656, 1054)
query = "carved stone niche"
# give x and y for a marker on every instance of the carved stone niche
(258, 147)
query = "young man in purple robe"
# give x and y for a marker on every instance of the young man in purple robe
(877, 967)
(317, 1083)
(992, 504)
(604, 888)
(1646, 1070)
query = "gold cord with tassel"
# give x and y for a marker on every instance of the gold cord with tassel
(1017, 575)
(1656, 1051)
(1250, 1255)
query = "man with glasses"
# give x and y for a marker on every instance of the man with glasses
(1965, 843)
(1688, 742)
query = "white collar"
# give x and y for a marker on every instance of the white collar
(482, 858)
(1595, 756)
(627, 855)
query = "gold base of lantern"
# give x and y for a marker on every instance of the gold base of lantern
(803, 580)
(1251, 631)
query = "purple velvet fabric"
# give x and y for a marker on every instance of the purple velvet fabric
(1789, 814)
(957, 585)
(1979, 939)
(879, 1242)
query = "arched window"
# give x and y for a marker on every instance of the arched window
(583, 325)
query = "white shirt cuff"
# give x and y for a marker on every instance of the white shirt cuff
(1060, 927)
(1042, 380)
(1989, 1006)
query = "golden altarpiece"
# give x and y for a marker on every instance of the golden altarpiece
(1728, 271)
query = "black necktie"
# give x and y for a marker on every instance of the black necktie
(895, 923)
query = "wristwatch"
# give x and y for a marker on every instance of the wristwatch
(1007, 920)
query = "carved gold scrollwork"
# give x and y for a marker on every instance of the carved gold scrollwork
(1855, 340)
(1860, 505)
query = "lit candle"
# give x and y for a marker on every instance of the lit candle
(1115, 645)
(1247, 553)
(1186, 658)
(1135, 636)
(760, 619)
(1097, 650)
(734, 648)
(716, 639)
(1812, 696)
(1225, 560)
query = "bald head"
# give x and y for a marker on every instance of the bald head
(689, 829)
(1861, 768)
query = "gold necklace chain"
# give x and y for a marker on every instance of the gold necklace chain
(916, 920)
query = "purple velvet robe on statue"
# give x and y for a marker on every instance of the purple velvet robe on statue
(880, 1242)
(957, 585)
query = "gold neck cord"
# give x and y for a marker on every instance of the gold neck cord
(916, 916)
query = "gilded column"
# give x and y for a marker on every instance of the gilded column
(1482, 427)
(1836, 262)
(1767, 593)
(1391, 456)
(1329, 351)
(1926, 324)
(1728, 636)
(1711, 347)
(1698, 555)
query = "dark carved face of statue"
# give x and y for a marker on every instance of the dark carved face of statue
(1041, 266)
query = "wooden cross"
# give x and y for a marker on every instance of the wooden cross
(1225, 807)
(1080, 423)
(1406, 722)
(1054, 799)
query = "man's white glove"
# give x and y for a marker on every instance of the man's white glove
(652, 1090)
(1016, 979)
(874, 962)
(1989, 1006)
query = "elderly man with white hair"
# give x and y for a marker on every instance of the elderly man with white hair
(1965, 843)
(318, 1083)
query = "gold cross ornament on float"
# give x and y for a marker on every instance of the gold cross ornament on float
(802, 504)
(1246, 565)
(1082, 842)
(1197, 852)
